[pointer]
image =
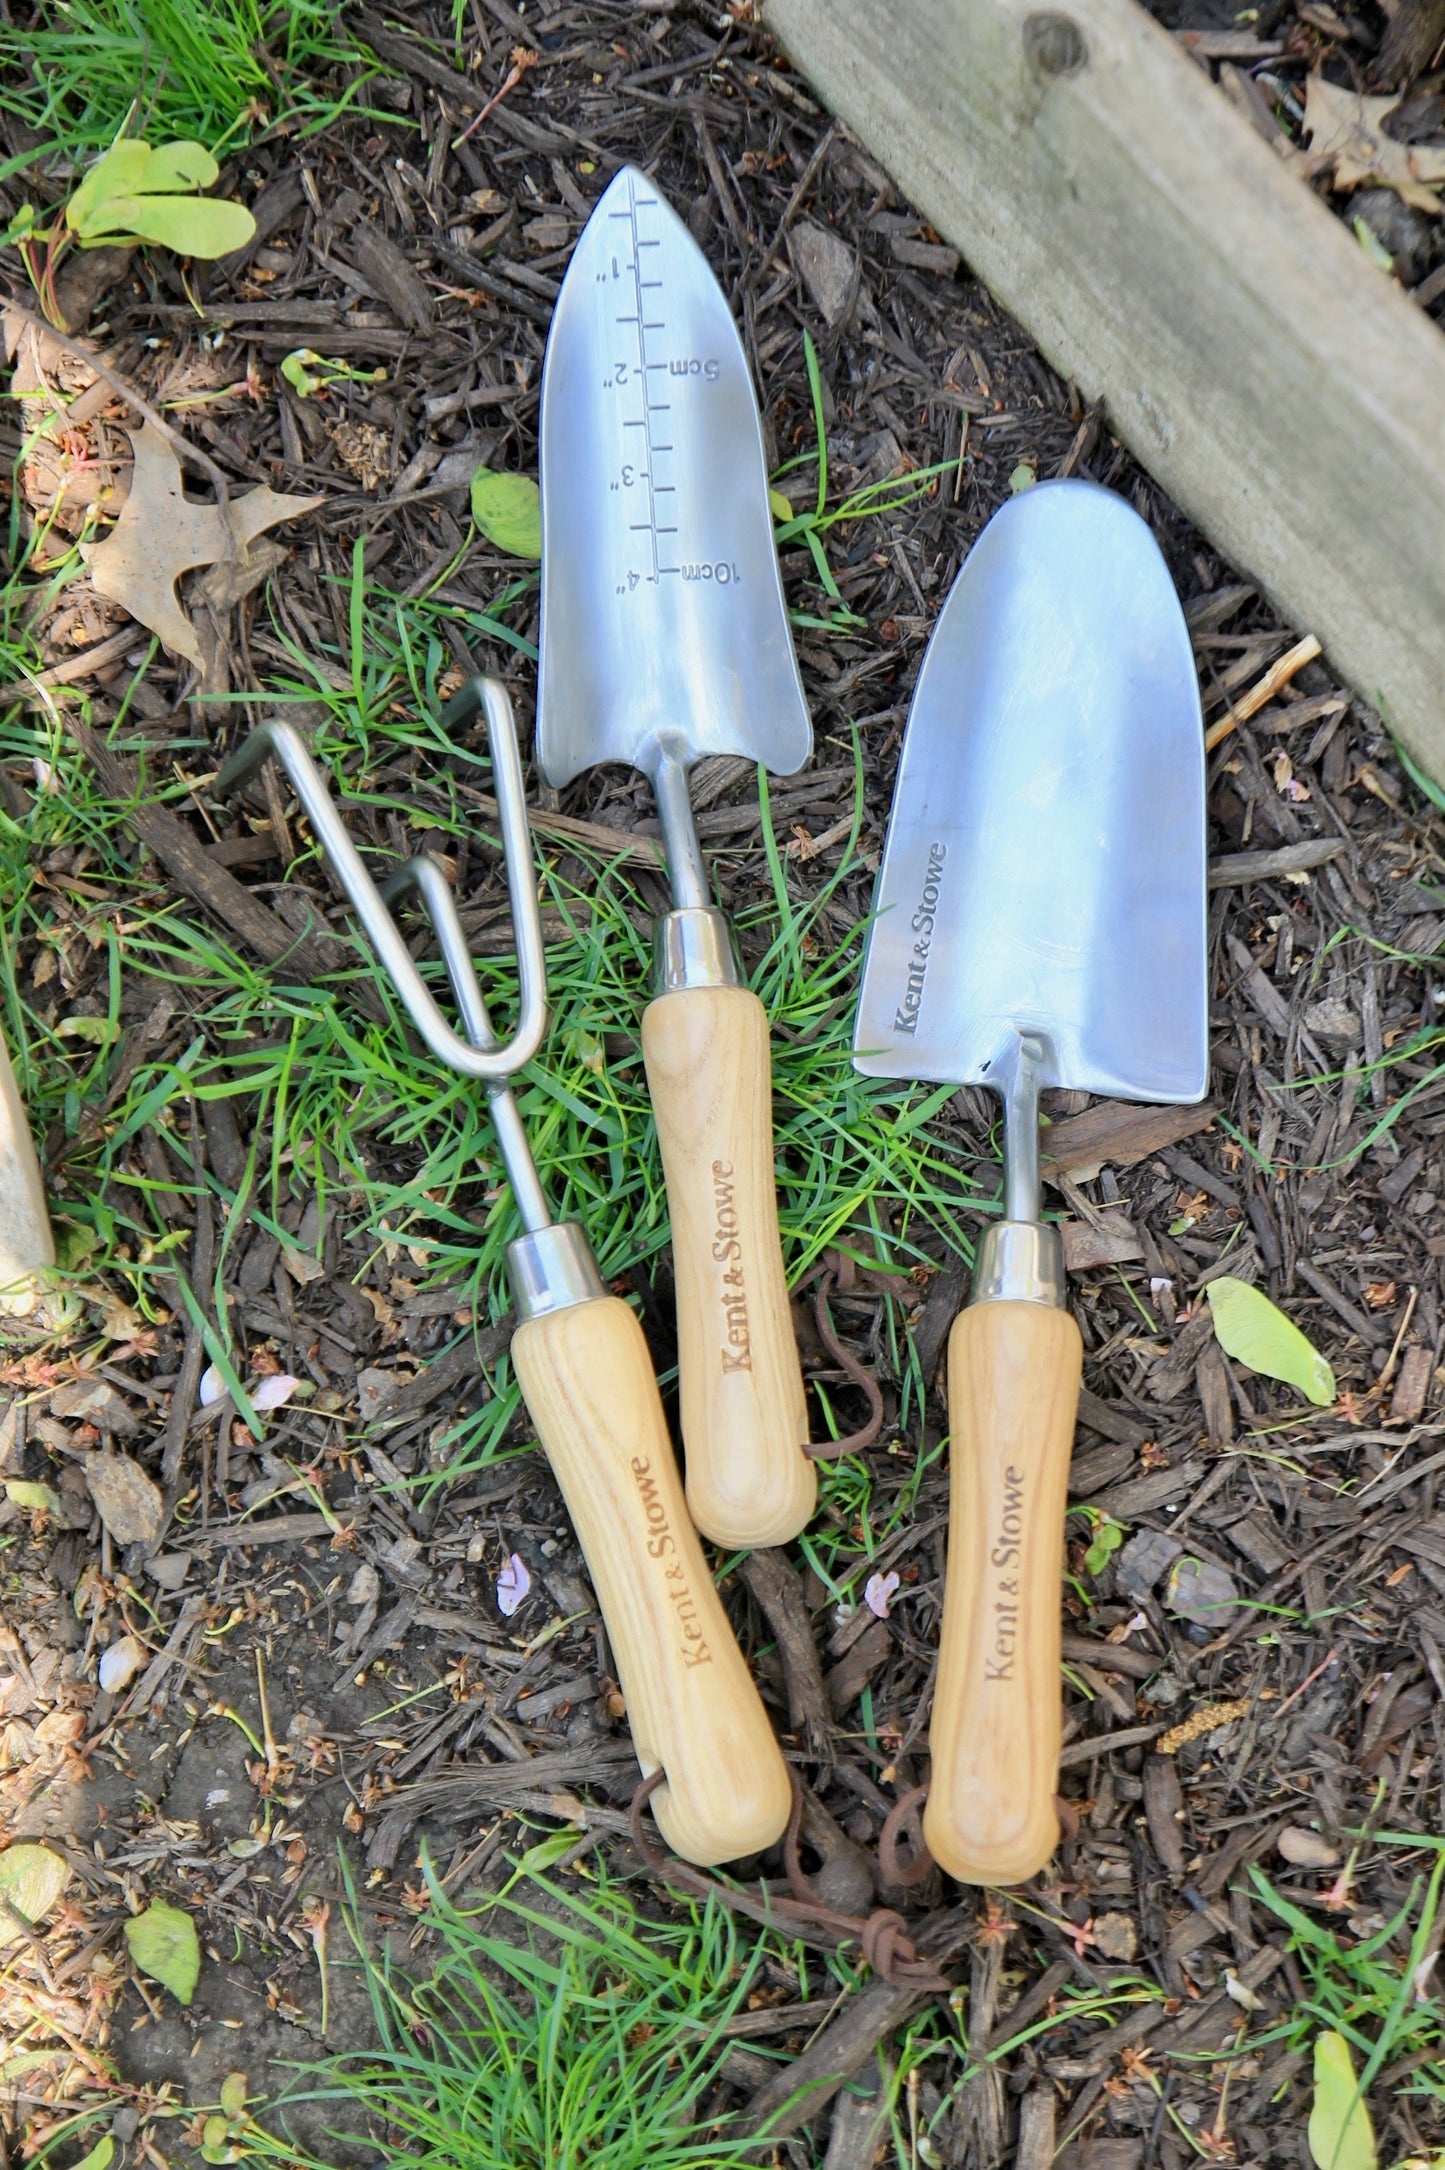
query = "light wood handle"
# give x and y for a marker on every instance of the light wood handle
(744, 1415)
(1013, 1392)
(26, 1241)
(691, 1702)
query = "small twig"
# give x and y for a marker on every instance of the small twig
(314, 1920)
(1308, 1682)
(182, 446)
(267, 1736)
(805, 181)
(1263, 690)
(523, 58)
(33, 1938)
(138, 1985)
(1388, 1373)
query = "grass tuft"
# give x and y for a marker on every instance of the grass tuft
(557, 2028)
(83, 72)
(1379, 1991)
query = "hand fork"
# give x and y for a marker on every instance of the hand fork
(579, 1353)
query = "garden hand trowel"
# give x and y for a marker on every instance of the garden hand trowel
(1040, 921)
(664, 639)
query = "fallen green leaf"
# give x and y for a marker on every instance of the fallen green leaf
(99, 1031)
(591, 1052)
(145, 192)
(508, 511)
(782, 509)
(163, 1943)
(205, 226)
(174, 167)
(32, 1879)
(1341, 2136)
(216, 2141)
(34, 1498)
(1023, 477)
(134, 168)
(233, 2094)
(1256, 1332)
(101, 2155)
(74, 1243)
(119, 172)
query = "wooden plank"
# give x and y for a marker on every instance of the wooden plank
(1289, 397)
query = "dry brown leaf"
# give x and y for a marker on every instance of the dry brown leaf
(130, 1503)
(1117, 1937)
(1115, 1239)
(1345, 134)
(94, 1400)
(161, 533)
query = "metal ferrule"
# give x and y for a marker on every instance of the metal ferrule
(1019, 1262)
(694, 948)
(551, 1270)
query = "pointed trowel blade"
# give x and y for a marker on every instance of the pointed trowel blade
(1044, 868)
(662, 608)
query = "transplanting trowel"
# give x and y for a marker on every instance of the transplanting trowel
(1040, 921)
(665, 638)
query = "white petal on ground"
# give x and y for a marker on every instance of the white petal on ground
(877, 1592)
(120, 1664)
(274, 1391)
(513, 1583)
(212, 1386)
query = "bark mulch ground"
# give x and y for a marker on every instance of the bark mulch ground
(1283, 1735)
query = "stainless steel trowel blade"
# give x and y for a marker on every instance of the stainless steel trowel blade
(1044, 868)
(662, 609)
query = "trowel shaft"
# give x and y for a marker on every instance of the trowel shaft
(1021, 1132)
(679, 832)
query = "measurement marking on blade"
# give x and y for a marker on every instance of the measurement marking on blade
(642, 330)
(639, 479)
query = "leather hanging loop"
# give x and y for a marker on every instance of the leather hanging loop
(905, 1821)
(837, 1272)
(883, 1935)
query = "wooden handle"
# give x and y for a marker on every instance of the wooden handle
(691, 1703)
(744, 1416)
(1013, 1391)
(26, 1242)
